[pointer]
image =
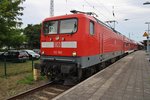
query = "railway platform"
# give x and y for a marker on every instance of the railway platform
(126, 79)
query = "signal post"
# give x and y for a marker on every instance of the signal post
(147, 35)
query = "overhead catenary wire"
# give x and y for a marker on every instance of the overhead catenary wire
(102, 5)
(109, 11)
(95, 8)
(97, 11)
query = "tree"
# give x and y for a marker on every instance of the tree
(10, 10)
(17, 39)
(32, 33)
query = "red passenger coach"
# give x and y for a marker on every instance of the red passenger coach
(71, 44)
(129, 45)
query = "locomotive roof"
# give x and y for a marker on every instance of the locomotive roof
(80, 15)
(69, 16)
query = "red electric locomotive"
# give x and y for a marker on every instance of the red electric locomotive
(71, 44)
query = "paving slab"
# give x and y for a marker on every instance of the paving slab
(126, 79)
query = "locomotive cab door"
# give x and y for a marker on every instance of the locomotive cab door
(93, 38)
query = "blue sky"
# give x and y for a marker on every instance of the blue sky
(134, 10)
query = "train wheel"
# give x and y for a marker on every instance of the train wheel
(50, 76)
(103, 65)
(48, 73)
(80, 74)
(112, 60)
(98, 67)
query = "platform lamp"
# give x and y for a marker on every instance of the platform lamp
(147, 3)
(148, 35)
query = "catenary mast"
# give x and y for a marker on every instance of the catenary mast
(51, 7)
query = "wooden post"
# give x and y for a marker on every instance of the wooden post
(36, 72)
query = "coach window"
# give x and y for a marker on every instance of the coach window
(91, 28)
(127, 44)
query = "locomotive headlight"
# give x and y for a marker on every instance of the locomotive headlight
(63, 39)
(42, 53)
(74, 54)
(50, 39)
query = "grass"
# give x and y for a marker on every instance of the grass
(29, 79)
(14, 85)
(16, 68)
(19, 78)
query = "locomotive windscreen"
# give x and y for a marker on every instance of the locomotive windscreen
(51, 27)
(60, 26)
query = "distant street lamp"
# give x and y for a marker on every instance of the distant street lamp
(126, 19)
(146, 3)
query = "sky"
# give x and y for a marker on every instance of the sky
(35, 11)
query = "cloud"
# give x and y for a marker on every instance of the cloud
(37, 10)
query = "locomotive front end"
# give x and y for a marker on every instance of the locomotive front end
(60, 48)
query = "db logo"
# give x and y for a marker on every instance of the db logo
(57, 44)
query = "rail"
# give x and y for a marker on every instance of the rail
(29, 91)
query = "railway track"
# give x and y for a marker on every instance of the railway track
(43, 92)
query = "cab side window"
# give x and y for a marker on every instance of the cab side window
(91, 27)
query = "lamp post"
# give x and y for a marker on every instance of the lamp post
(148, 36)
(147, 3)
